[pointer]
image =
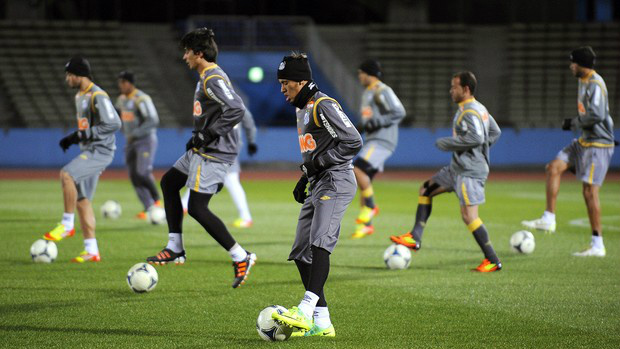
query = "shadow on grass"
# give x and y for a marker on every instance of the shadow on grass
(103, 331)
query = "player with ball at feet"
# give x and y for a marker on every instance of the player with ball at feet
(328, 142)
(474, 131)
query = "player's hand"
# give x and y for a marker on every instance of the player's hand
(372, 125)
(190, 144)
(310, 168)
(203, 138)
(252, 149)
(69, 140)
(299, 193)
(567, 124)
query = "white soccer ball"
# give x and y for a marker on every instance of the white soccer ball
(142, 277)
(397, 257)
(523, 242)
(268, 329)
(111, 209)
(156, 215)
(43, 251)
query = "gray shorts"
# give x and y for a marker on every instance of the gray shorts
(321, 214)
(203, 174)
(469, 190)
(85, 170)
(375, 154)
(235, 167)
(590, 164)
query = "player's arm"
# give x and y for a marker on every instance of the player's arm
(596, 110)
(390, 107)
(149, 115)
(249, 127)
(231, 104)
(348, 140)
(494, 131)
(469, 134)
(109, 122)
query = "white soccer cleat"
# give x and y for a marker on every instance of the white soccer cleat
(591, 252)
(540, 224)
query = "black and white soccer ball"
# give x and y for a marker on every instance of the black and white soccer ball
(523, 242)
(397, 256)
(270, 330)
(156, 215)
(111, 210)
(43, 251)
(142, 277)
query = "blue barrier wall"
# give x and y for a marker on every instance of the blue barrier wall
(38, 148)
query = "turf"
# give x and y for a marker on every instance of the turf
(546, 300)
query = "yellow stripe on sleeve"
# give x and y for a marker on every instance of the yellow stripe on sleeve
(474, 225)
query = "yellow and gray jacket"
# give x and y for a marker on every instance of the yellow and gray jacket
(138, 114)
(380, 101)
(473, 132)
(594, 121)
(98, 118)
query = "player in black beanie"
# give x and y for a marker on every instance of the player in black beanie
(371, 67)
(296, 72)
(78, 66)
(584, 56)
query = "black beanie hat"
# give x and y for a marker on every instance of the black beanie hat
(583, 56)
(371, 67)
(128, 76)
(79, 66)
(295, 69)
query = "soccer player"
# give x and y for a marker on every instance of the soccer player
(589, 156)
(209, 154)
(381, 112)
(328, 142)
(140, 122)
(97, 122)
(474, 132)
(232, 182)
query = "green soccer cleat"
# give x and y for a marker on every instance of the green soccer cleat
(294, 317)
(316, 331)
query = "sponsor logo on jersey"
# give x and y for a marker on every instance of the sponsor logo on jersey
(197, 108)
(343, 116)
(581, 109)
(83, 123)
(306, 143)
(366, 112)
(328, 127)
(127, 116)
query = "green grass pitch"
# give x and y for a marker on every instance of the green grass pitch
(549, 299)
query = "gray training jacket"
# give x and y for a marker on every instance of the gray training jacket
(138, 114)
(326, 135)
(218, 108)
(380, 101)
(249, 127)
(474, 131)
(96, 115)
(594, 120)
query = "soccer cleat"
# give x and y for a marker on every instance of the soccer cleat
(591, 252)
(242, 223)
(366, 214)
(315, 331)
(142, 215)
(294, 317)
(540, 224)
(406, 240)
(59, 233)
(362, 231)
(166, 256)
(242, 269)
(486, 266)
(86, 257)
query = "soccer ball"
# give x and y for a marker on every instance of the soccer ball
(397, 257)
(157, 215)
(142, 278)
(522, 242)
(111, 209)
(268, 329)
(43, 251)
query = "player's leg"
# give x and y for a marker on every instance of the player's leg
(185, 200)
(322, 322)
(364, 173)
(132, 163)
(144, 169)
(233, 185)
(86, 191)
(66, 227)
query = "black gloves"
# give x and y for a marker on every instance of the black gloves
(567, 124)
(374, 124)
(203, 138)
(252, 149)
(190, 144)
(310, 168)
(73, 138)
(299, 193)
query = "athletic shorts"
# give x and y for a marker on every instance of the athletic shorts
(469, 190)
(590, 164)
(85, 170)
(375, 154)
(235, 167)
(319, 220)
(203, 174)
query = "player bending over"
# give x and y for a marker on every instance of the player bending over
(474, 131)
(208, 157)
(97, 122)
(328, 142)
(589, 156)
